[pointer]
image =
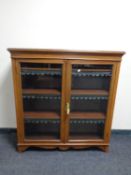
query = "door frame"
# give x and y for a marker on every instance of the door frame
(19, 102)
(110, 104)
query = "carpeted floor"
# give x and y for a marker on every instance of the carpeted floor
(73, 162)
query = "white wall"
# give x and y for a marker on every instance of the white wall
(68, 24)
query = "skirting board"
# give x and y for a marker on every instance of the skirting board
(114, 131)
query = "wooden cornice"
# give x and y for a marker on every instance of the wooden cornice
(65, 54)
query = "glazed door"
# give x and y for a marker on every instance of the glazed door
(42, 99)
(87, 102)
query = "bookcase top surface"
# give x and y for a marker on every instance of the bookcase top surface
(39, 53)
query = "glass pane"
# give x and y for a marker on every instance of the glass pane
(41, 88)
(88, 104)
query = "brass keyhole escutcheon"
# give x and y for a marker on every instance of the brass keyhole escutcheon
(68, 108)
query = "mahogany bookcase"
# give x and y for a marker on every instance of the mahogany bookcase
(64, 99)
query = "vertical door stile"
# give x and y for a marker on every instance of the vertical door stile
(18, 100)
(68, 95)
(111, 101)
(63, 103)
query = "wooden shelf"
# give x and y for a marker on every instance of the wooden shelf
(88, 92)
(87, 115)
(57, 92)
(40, 71)
(39, 68)
(91, 70)
(42, 137)
(46, 115)
(41, 91)
(84, 137)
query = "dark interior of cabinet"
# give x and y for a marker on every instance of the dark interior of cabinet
(89, 105)
(94, 80)
(86, 129)
(52, 105)
(91, 66)
(91, 77)
(40, 65)
(42, 129)
(41, 82)
(91, 83)
(39, 78)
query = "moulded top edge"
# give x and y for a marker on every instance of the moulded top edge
(65, 52)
